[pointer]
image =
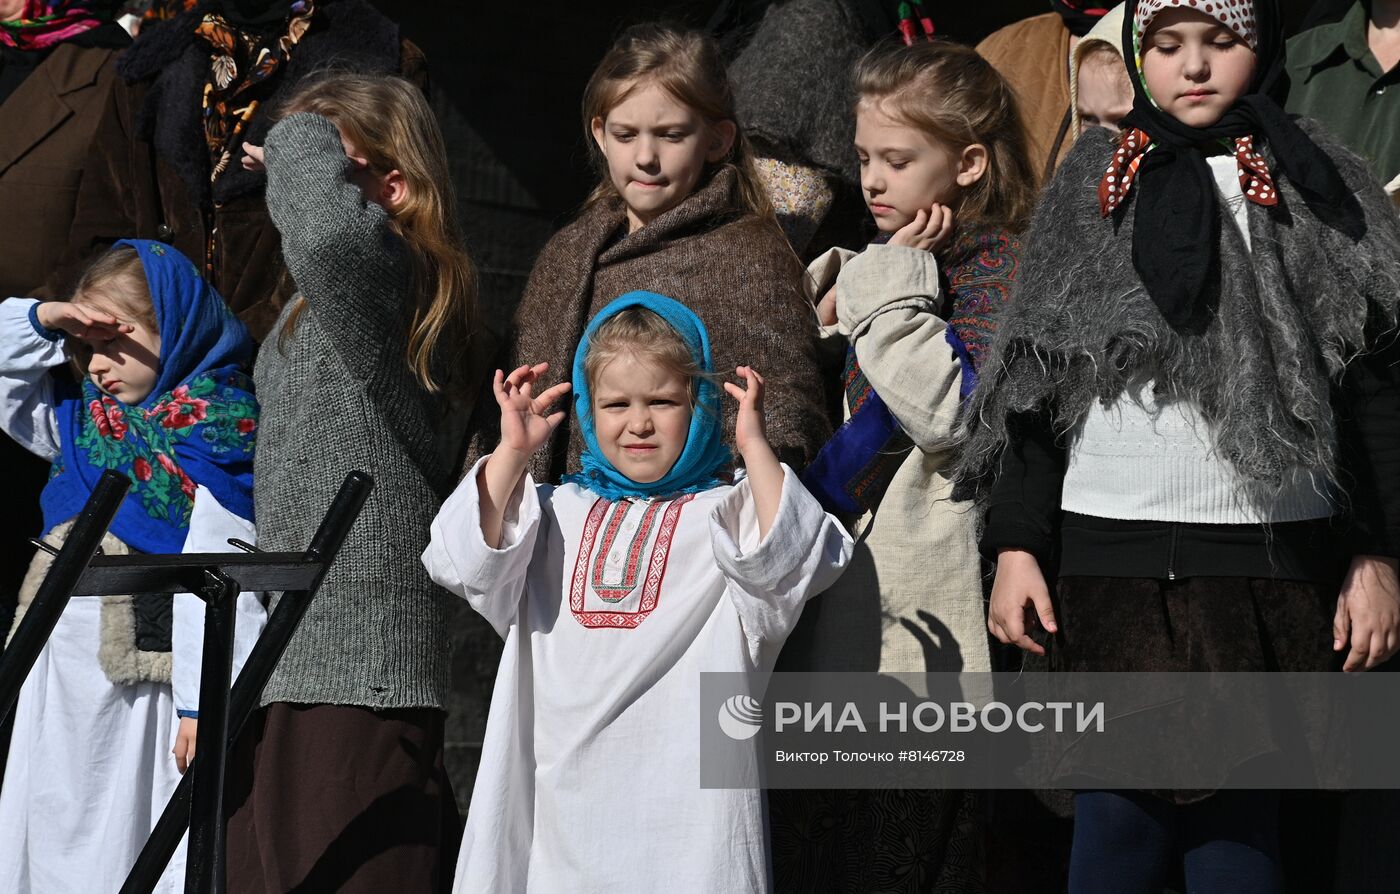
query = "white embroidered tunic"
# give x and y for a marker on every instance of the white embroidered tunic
(590, 770)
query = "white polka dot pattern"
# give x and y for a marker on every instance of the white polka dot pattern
(1237, 15)
(1256, 182)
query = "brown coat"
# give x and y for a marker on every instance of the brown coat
(46, 128)
(1033, 56)
(734, 270)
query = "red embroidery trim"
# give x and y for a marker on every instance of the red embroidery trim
(656, 568)
(617, 514)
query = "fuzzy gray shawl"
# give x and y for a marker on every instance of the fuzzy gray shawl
(1287, 318)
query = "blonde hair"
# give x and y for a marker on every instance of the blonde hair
(390, 121)
(687, 65)
(638, 332)
(119, 276)
(957, 98)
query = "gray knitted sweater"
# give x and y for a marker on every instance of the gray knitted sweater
(337, 394)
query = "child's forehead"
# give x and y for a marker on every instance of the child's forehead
(633, 371)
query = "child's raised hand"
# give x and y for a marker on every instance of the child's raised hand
(749, 431)
(1019, 599)
(80, 322)
(526, 422)
(253, 158)
(930, 229)
(184, 743)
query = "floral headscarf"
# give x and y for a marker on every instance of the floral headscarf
(197, 426)
(46, 24)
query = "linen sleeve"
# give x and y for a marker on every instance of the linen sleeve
(458, 559)
(346, 263)
(211, 526)
(886, 302)
(769, 580)
(27, 353)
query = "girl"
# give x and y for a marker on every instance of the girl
(164, 401)
(361, 373)
(679, 209)
(946, 175)
(594, 710)
(1101, 95)
(1192, 414)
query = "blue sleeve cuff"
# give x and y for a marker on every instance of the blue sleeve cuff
(192, 715)
(44, 333)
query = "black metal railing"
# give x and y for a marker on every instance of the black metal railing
(197, 803)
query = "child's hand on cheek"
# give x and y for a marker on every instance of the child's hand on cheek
(526, 422)
(79, 322)
(929, 230)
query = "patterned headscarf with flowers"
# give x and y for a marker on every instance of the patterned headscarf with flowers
(43, 24)
(197, 426)
(240, 62)
(1162, 161)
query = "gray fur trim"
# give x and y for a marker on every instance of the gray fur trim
(1288, 318)
(117, 654)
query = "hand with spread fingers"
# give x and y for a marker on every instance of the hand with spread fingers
(526, 424)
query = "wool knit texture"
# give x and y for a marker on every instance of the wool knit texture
(1286, 319)
(733, 269)
(337, 395)
(792, 84)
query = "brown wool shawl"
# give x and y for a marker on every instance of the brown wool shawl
(733, 269)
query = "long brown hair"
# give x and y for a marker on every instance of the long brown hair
(687, 65)
(390, 121)
(957, 98)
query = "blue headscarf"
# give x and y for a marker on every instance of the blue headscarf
(197, 426)
(705, 454)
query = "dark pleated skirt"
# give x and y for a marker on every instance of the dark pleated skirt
(1233, 624)
(341, 798)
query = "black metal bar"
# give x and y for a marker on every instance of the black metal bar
(58, 586)
(172, 574)
(247, 691)
(204, 871)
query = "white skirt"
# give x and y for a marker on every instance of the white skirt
(89, 772)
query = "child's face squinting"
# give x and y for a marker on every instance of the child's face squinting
(1195, 67)
(1105, 95)
(902, 170)
(126, 365)
(641, 416)
(656, 148)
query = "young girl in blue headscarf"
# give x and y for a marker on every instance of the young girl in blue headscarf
(164, 400)
(613, 592)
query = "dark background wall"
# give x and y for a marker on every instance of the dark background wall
(507, 80)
